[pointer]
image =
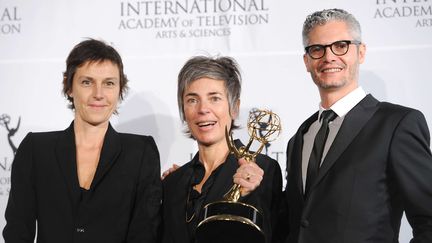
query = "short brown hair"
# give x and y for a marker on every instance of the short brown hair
(91, 51)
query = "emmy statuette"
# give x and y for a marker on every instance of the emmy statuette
(230, 220)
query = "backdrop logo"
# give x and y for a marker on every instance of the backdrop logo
(5, 161)
(420, 10)
(5, 121)
(191, 18)
(10, 21)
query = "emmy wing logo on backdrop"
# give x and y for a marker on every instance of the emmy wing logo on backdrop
(6, 161)
(4, 121)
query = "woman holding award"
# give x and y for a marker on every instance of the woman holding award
(209, 98)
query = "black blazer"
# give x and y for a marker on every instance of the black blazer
(176, 186)
(378, 166)
(122, 204)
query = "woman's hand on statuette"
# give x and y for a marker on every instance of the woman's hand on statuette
(249, 176)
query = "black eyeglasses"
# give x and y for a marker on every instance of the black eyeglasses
(339, 48)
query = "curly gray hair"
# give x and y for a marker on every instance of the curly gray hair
(324, 16)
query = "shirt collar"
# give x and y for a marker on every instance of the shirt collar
(344, 105)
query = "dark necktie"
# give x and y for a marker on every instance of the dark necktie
(318, 148)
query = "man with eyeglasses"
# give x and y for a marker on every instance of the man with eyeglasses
(357, 164)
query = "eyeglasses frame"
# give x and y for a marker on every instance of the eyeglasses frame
(348, 42)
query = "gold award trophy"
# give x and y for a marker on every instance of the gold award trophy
(229, 220)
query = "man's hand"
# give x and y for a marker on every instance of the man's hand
(169, 171)
(249, 176)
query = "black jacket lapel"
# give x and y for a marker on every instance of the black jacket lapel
(110, 151)
(66, 157)
(353, 122)
(296, 157)
(177, 185)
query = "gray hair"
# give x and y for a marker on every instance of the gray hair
(218, 68)
(328, 15)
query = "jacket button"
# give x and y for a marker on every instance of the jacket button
(80, 230)
(304, 223)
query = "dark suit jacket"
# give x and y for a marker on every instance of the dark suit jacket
(176, 186)
(378, 166)
(122, 204)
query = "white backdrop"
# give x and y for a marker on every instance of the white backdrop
(156, 37)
